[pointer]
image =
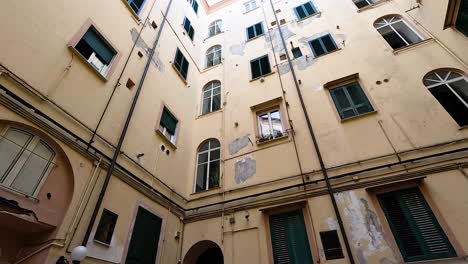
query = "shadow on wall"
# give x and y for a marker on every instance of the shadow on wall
(36, 189)
(204, 252)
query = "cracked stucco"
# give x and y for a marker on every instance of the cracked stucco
(142, 45)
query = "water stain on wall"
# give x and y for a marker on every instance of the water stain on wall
(245, 169)
(140, 43)
(238, 144)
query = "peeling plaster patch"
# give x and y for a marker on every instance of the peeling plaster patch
(386, 261)
(237, 49)
(245, 169)
(332, 223)
(275, 38)
(360, 256)
(238, 144)
(300, 63)
(142, 45)
(366, 231)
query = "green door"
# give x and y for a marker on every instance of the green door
(289, 239)
(143, 247)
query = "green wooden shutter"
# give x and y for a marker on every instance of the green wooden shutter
(168, 121)
(462, 18)
(416, 230)
(187, 24)
(289, 239)
(195, 7)
(102, 50)
(143, 247)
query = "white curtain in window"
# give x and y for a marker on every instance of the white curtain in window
(213, 56)
(215, 27)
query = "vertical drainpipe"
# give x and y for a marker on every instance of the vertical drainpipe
(314, 140)
(124, 132)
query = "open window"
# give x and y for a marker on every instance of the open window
(396, 31)
(305, 10)
(93, 48)
(254, 31)
(260, 67)
(188, 28)
(25, 161)
(168, 125)
(270, 121)
(208, 165)
(215, 28)
(450, 88)
(363, 3)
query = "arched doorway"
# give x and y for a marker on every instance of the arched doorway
(204, 252)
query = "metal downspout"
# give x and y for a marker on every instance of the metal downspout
(314, 140)
(124, 132)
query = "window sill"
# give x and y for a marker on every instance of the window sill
(17, 193)
(414, 45)
(102, 77)
(307, 17)
(134, 15)
(212, 67)
(256, 37)
(179, 74)
(263, 76)
(214, 190)
(266, 142)
(101, 243)
(463, 127)
(372, 6)
(164, 138)
(358, 116)
(209, 114)
(246, 12)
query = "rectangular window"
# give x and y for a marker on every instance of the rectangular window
(143, 247)
(296, 52)
(195, 6)
(181, 64)
(364, 3)
(415, 228)
(305, 10)
(462, 18)
(96, 50)
(331, 245)
(350, 100)
(168, 125)
(270, 125)
(322, 45)
(136, 5)
(106, 227)
(250, 5)
(289, 239)
(188, 28)
(255, 31)
(260, 67)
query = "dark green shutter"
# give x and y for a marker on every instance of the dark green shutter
(350, 100)
(143, 247)
(414, 226)
(187, 24)
(195, 7)
(250, 32)
(462, 18)
(289, 239)
(102, 50)
(168, 121)
(258, 29)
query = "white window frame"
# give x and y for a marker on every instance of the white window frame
(250, 5)
(445, 81)
(216, 53)
(208, 164)
(17, 165)
(389, 21)
(369, 2)
(269, 111)
(209, 88)
(216, 27)
(167, 134)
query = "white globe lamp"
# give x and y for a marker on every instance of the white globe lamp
(78, 254)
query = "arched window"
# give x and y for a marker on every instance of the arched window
(208, 158)
(213, 56)
(215, 27)
(396, 31)
(450, 88)
(211, 98)
(25, 160)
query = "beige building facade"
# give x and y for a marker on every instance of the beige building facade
(262, 131)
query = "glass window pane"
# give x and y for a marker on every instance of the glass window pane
(214, 175)
(206, 105)
(317, 47)
(309, 8)
(214, 143)
(341, 98)
(33, 169)
(392, 37)
(265, 63)
(10, 149)
(348, 113)
(216, 102)
(203, 147)
(277, 125)
(258, 29)
(328, 43)
(407, 33)
(202, 157)
(201, 177)
(264, 125)
(250, 32)
(214, 154)
(451, 103)
(461, 88)
(356, 94)
(300, 12)
(255, 67)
